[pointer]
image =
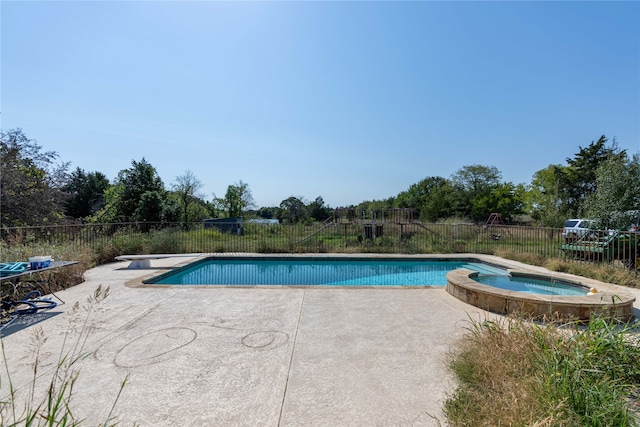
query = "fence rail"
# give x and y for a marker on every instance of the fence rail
(411, 238)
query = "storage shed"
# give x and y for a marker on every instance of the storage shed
(226, 225)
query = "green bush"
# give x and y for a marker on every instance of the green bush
(128, 242)
(167, 241)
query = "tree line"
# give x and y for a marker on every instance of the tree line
(37, 189)
(600, 181)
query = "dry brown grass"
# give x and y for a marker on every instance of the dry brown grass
(517, 373)
(497, 385)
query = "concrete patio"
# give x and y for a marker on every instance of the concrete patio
(202, 356)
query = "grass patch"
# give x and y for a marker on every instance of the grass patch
(518, 373)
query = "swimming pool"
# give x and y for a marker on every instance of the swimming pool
(319, 272)
(532, 285)
(541, 295)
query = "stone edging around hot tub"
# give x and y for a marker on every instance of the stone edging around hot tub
(610, 300)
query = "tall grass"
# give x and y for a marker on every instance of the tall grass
(517, 373)
(53, 405)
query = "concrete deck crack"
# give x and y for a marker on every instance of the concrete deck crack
(293, 351)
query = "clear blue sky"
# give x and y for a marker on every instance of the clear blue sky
(352, 101)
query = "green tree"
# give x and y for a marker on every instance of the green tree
(444, 201)
(236, 200)
(506, 199)
(123, 199)
(476, 182)
(187, 187)
(544, 197)
(434, 198)
(318, 210)
(199, 211)
(31, 185)
(268, 212)
(617, 192)
(141, 178)
(477, 179)
(293, 210)
(86, 193)
(150, 207)
(376, 205)
(578, 179)
(172, 208)
(213, 208)
(109, 213)
(417, 194)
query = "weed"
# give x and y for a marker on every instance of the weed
(55, 408)
(514, 372)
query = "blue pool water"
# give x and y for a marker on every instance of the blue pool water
(531, 285)
(341, 272)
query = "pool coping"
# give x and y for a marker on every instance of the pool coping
(610, 300)
(607, 300)
(140, 282)
(492, 260)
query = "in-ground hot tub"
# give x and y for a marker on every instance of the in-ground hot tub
(608, 300)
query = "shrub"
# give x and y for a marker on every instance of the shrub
(514, 372)
(166, 241)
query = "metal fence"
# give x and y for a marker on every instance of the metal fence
(339, 237)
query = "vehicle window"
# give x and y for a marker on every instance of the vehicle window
(570, 223)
